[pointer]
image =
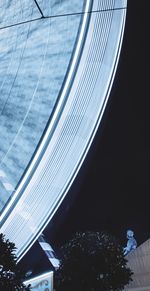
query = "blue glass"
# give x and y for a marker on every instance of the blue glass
(34, 58)
(12, 12)
(60, 7)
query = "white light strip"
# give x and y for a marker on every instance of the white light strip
(48, 251)
(54, 118)
(45, 246)
(55, 262)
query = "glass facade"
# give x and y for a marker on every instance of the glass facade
(56, 77)
(34, 59)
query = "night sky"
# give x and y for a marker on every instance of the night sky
(114, 192)
(113, 187)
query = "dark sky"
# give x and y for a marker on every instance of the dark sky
(114, 192)
(114, 189)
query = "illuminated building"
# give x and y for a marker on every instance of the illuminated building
(56, 75)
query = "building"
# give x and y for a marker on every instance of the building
(58, 63)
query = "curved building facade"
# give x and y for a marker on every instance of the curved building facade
(58, 62)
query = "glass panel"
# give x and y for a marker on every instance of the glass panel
(14, 11)
(34, 58)
(60, 7)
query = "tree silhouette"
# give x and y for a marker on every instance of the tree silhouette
(92, 261)
(11, 278)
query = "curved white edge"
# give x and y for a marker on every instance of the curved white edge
(75, 130)
(53, 121)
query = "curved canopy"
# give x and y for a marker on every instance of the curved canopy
(59, 76)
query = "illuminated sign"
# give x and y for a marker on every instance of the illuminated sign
(42, 282)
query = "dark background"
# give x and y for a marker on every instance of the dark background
(112, 189)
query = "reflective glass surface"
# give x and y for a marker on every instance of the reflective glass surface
(34, 58)
(60, 7)
(15, 11)
(39, 76)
